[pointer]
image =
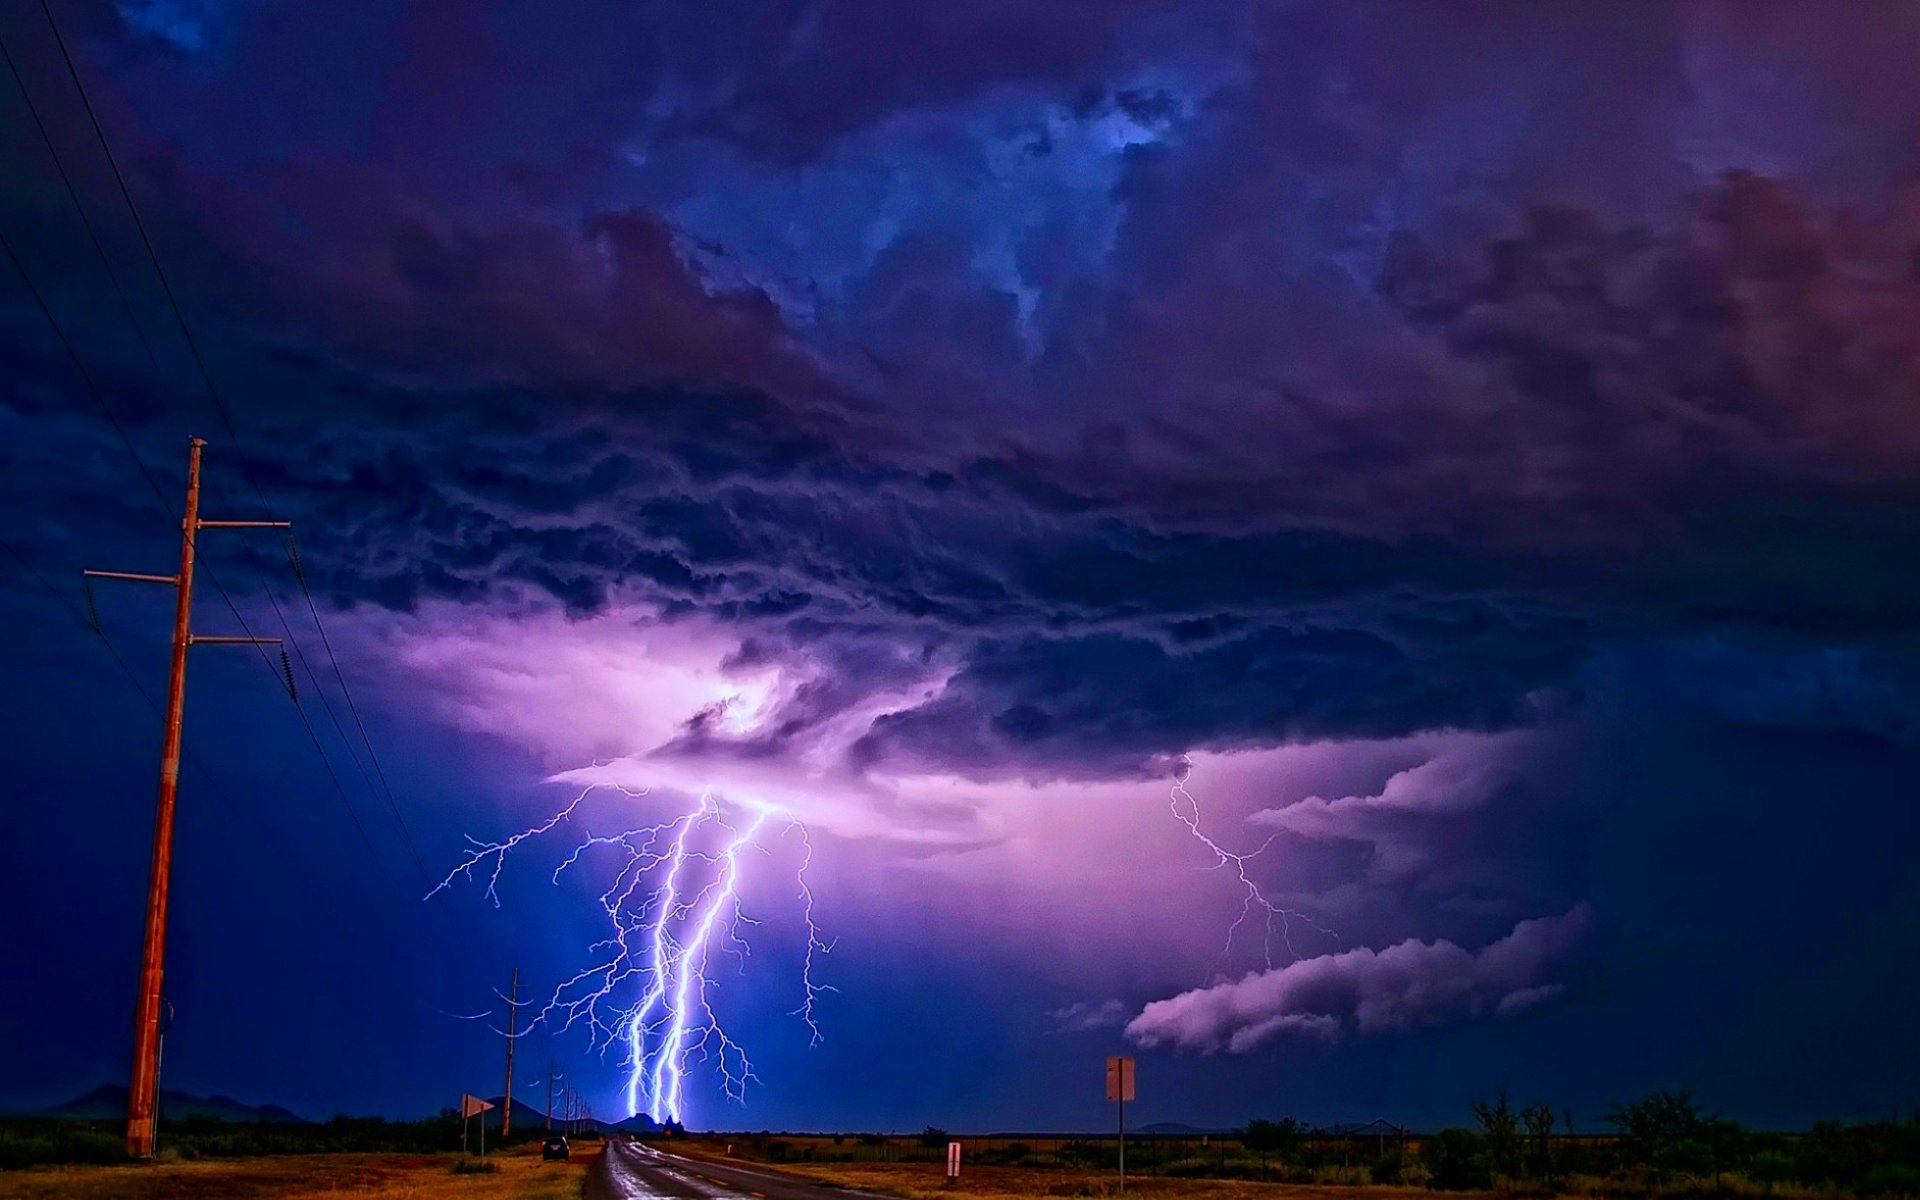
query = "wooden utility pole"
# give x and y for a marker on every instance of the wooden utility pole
(143, 1091)
(549, 1095)
(506, 1097)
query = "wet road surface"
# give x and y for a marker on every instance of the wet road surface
(632, 1171)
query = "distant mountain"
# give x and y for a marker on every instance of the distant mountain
(1176, 1129)
(534, 1116)
(637, 1123)
(109, 1102)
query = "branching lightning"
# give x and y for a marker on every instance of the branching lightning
(673, 905)
(1254, 900)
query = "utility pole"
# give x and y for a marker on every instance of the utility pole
(549, 1095)
(145, 1085)
(506, 1097)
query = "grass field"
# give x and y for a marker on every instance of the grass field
(927, 1181)
(521, 1176)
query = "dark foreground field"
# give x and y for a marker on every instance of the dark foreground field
(520, 1175)
(1831, 1161)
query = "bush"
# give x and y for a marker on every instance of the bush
(934, 1137)
(1390, 1167)
(29, 1143)
(1086, 1154)
(1458, 1161)
(1891, 1179)
(475, 1166)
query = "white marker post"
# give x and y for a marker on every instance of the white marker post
(1120, 1090)
(953, 1164)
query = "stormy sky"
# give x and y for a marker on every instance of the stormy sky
(1448, 471)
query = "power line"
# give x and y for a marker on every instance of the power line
(385, 793)
(132, 678)
(93, 389)
(219, 792)
(80, 367)
(326, 706)
(73, 194)
(300, 576)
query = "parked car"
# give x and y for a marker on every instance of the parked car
(555, 1147)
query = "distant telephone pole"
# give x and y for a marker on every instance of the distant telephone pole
(549, 1095)
(506, 1097)
(143, 1092)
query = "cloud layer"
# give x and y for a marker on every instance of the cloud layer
(1408, 986)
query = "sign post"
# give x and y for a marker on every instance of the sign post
(1120, 1090)
(470, 1107)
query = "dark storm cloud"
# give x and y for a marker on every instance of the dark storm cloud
(1293, 460)
(1078, 387)
(1633, 456)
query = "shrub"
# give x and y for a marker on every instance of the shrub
(1890, 1179)
(1390, 1167)
(1458, 1161)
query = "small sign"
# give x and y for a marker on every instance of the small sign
(473, 1106)
(953, 1160)
(1120, 1078)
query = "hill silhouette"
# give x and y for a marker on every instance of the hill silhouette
(109, 1102)
(533, 1116)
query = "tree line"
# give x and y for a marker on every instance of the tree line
(1662, 1141)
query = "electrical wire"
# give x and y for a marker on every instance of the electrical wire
(113, 418)
(386, 795)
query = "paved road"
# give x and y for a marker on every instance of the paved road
(631, 1171)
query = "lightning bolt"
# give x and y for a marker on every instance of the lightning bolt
(672, 906)
(1253, 900)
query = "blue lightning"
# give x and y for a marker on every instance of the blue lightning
(672, 906)
(1254, 900)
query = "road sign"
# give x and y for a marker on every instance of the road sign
(472, 1106)
(1120, 1089)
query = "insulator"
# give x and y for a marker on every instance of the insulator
(286, 668)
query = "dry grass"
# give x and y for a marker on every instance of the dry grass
(927, 1181)
(522, 1176)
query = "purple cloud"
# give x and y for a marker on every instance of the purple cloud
(1089, 1015)
(1407, 986)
